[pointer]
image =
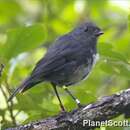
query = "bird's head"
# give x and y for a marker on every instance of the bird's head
(88, 31)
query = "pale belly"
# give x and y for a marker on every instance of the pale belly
(83, 71)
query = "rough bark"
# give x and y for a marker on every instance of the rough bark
(106, 108)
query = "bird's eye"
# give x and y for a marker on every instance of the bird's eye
(86, 29)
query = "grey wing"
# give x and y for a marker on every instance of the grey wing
(55, 55)
(59, 62)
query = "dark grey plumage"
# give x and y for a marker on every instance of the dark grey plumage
(67, 61)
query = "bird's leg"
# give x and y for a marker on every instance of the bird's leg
(73, 97)
(56, 92)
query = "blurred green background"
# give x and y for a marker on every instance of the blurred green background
(28, 27)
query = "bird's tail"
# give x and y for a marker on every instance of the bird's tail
(17, 90)
(27, 84)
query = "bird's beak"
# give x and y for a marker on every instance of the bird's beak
(99, 33)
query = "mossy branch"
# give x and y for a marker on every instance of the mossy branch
(106, 108)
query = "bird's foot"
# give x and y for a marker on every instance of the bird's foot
(63, 110)
(80, 105)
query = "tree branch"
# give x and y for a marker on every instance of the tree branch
(106, 108)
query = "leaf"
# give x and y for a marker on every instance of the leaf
(106, 50)
(23, 39)
(8, 11)
(129, 22)
(116, 68)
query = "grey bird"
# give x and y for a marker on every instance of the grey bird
(68, 61)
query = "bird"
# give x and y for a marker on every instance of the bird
(67, 61)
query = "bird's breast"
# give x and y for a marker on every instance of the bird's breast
(91, 64)
(86, 69)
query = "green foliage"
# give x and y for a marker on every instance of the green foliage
(9, 10)
(22, 39)
(28, 27)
